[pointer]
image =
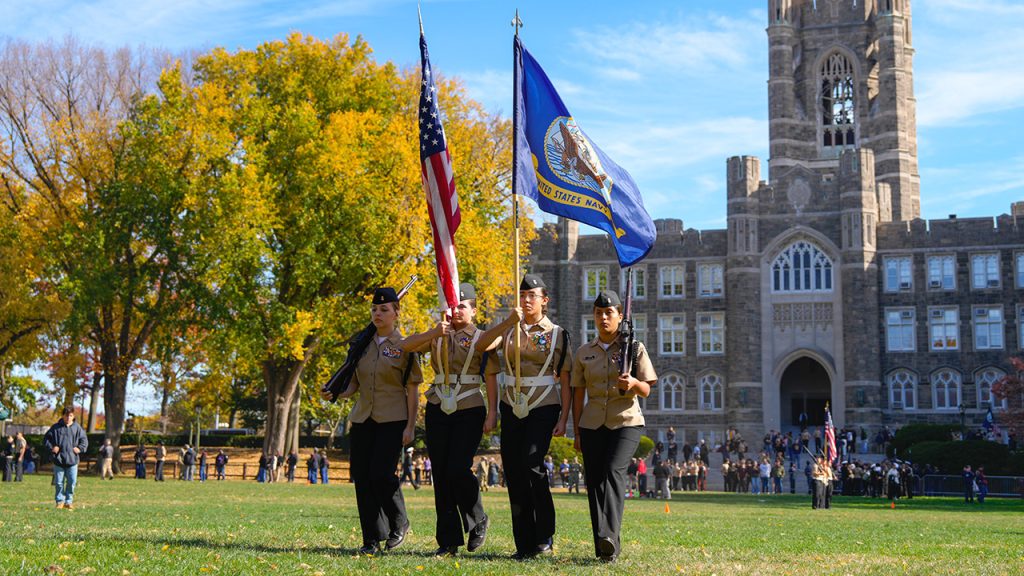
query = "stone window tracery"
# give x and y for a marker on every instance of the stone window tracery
(802, 267)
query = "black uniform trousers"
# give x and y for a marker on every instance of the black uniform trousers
(818, 497)
(606, 455)
(524, 443)
(375, 450)
(452, 441)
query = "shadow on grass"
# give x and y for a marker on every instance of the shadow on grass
(341, 552)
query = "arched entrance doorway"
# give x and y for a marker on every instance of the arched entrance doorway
(804, 390)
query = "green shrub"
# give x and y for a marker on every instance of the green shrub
(644, 448)
(912, 434)
(562, 449)
(950, 457)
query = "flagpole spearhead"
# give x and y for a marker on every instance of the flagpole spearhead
(517, 22)
(420, 15)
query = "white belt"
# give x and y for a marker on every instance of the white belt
(454, 378)
(529, 381)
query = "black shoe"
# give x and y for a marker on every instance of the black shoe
(370, 549)
(446, 551)
(606, 549)
(478, 535)
(544, 549)
(396, 538)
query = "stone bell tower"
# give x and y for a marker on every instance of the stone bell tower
(841, 77)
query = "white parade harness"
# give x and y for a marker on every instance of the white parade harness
(521, 403)
(450, 395)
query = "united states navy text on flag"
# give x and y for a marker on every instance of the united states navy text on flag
(439, 184)
(560, 167)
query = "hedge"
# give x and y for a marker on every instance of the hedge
(912, 434)
(951, 457)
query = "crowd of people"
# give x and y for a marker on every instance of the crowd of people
(19, 458)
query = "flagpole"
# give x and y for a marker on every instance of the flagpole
(516, 23)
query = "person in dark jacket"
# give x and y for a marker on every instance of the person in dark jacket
(293, 460)
(66, 440)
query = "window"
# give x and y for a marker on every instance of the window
(942, 272)
(589, 328)
(709, 280)
(898, 273)
(1020, 327)
(988, 328)
(711, 333)
(639, 284)
(985, 379)
(672, 334)
(671, 281)
(944, 328)
(802, 267)
(711, 392)
(595, 279)
(946, 390)
(1020, 269)
(899, 330)
(640, 329)
(838, 116)
(984, 271)
(902, 390)
(672, 386)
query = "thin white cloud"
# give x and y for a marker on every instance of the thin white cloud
(972, 188)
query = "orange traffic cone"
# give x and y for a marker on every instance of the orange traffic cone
(893, 506)
(667, 511)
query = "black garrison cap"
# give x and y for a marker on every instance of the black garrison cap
(384, 295)
(531, 281)
(466, 292)
(607, 299)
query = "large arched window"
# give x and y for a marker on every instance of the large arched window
(903, 390)
(712, 392)
(838, 113)
(946, 390)
(802, 267)
(985, 379)
(671, 391)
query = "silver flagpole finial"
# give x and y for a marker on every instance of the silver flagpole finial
(420, 14)
(517, 23)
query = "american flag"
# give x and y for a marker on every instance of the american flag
(439, 184)
(830, 437)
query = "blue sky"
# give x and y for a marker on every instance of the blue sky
(669, 89)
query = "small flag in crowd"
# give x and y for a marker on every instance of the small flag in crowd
(439, 184)
(830, 437)
(560, 167)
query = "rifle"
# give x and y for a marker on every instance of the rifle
(357, 345)
(629, 344)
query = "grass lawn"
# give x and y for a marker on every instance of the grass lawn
(133, 527)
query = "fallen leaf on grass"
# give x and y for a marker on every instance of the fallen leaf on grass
(54, 569)
(64, 558)
(305, 566)
(87, 570)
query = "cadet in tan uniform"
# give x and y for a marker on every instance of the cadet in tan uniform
(384, 419)
(609, 427)
(455, 417)
(530, 418)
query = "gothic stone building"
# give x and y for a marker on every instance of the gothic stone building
(826, 286)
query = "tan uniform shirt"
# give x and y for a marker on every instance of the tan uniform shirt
(534, 347)
(458, 351)
(597, 370)
(379, 377)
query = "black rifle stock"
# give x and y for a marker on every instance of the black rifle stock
(357, 345)
(629, 344)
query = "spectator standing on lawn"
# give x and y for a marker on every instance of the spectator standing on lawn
(968, 477)
(140, 462)
(161, 457)
(66, 441)
(220, 463)
(325, 467)
(20, 453)
(982, 481)
(293, 461)
(106, 458)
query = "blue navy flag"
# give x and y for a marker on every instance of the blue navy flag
(562, 170)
